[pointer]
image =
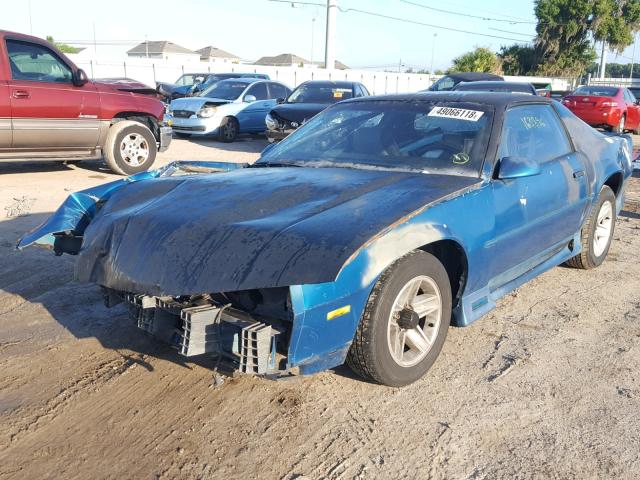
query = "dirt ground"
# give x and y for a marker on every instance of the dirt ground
(546, 386)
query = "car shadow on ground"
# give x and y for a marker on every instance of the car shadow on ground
(245, 143)
(36, 277)
(96, 166)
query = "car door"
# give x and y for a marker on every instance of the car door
(633, 111)
(251, 118)
(48, 110)
(5, 112)
(536, 216)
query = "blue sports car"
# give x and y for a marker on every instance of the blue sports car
(361, 237)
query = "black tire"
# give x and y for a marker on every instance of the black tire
(588, 257)
(369, 355)
(619, 128)
(121, 163)
(228, 130)
(181, 135)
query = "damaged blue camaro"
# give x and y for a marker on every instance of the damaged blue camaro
(359, 238)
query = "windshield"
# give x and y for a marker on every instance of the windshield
(190, 78)
(597, 91)
(225, 89)
(319, 94)
(419, 136)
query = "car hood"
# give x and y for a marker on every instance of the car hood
(123, 85)
(299, 112)
(195, 103)
(249, 228)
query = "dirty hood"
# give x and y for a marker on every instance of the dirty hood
(194, 104)
(249, 228)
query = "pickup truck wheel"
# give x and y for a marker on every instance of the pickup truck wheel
(404, 323)
(130, 148)
(597, 232)
(228, 130)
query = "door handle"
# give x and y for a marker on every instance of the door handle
(578, 173)
(21, 94)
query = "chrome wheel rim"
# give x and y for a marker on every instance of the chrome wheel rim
(604, 224)
(134, 149)
(408, 346)
(229, 130)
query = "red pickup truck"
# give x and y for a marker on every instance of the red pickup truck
(50, 110)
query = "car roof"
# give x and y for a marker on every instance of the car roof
(330, 83)
(474, 76)
(487, 85)
(498, 100)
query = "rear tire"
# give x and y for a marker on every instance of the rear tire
(413, 293)
(130, 148)
(228, 130)
(597, 232)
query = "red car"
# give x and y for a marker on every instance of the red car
(613, 108)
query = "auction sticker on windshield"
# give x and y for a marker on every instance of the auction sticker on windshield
(459, 113)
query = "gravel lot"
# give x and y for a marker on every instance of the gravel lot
(546, 386)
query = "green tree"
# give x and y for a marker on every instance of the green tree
(565, 27)
(63, 47)
(517, 59)
(479, 60)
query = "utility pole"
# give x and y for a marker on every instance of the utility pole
(146, 45)
(313, 35)
(30, 20)
(633, 56)
(95, 44)
(399, 65)
(603, 60)
(330, 45)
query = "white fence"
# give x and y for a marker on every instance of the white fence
(150, 71)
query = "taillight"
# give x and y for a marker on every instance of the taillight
(609, 104)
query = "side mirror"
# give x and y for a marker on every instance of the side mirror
(249, 98)
(518, 167)
(280, 100)
(79, 77)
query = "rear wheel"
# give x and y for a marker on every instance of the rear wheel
(597, 232)
(405, 322)
(620, 127)
(130, 148)
(228, 130)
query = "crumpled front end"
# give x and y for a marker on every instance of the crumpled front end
(63, 231)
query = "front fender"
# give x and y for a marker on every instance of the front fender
(62, 232)
(319, 339)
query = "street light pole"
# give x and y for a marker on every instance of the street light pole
(433, 50)
(603, 60)
(330, 44)
(633, 56)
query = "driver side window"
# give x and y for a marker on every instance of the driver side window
(535, 132)
(259, 91)
(36, 63)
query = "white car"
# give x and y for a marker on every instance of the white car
(226, 109)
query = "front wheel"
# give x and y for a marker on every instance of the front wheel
(228, 130)
(130, 148)
(404, 323)
(597, 232)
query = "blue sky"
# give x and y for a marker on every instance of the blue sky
(253, 28)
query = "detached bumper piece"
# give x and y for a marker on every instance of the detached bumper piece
(240, 342)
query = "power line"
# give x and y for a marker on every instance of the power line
(415, 22)
(468, 15)
(513, 33)
(405, 20)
